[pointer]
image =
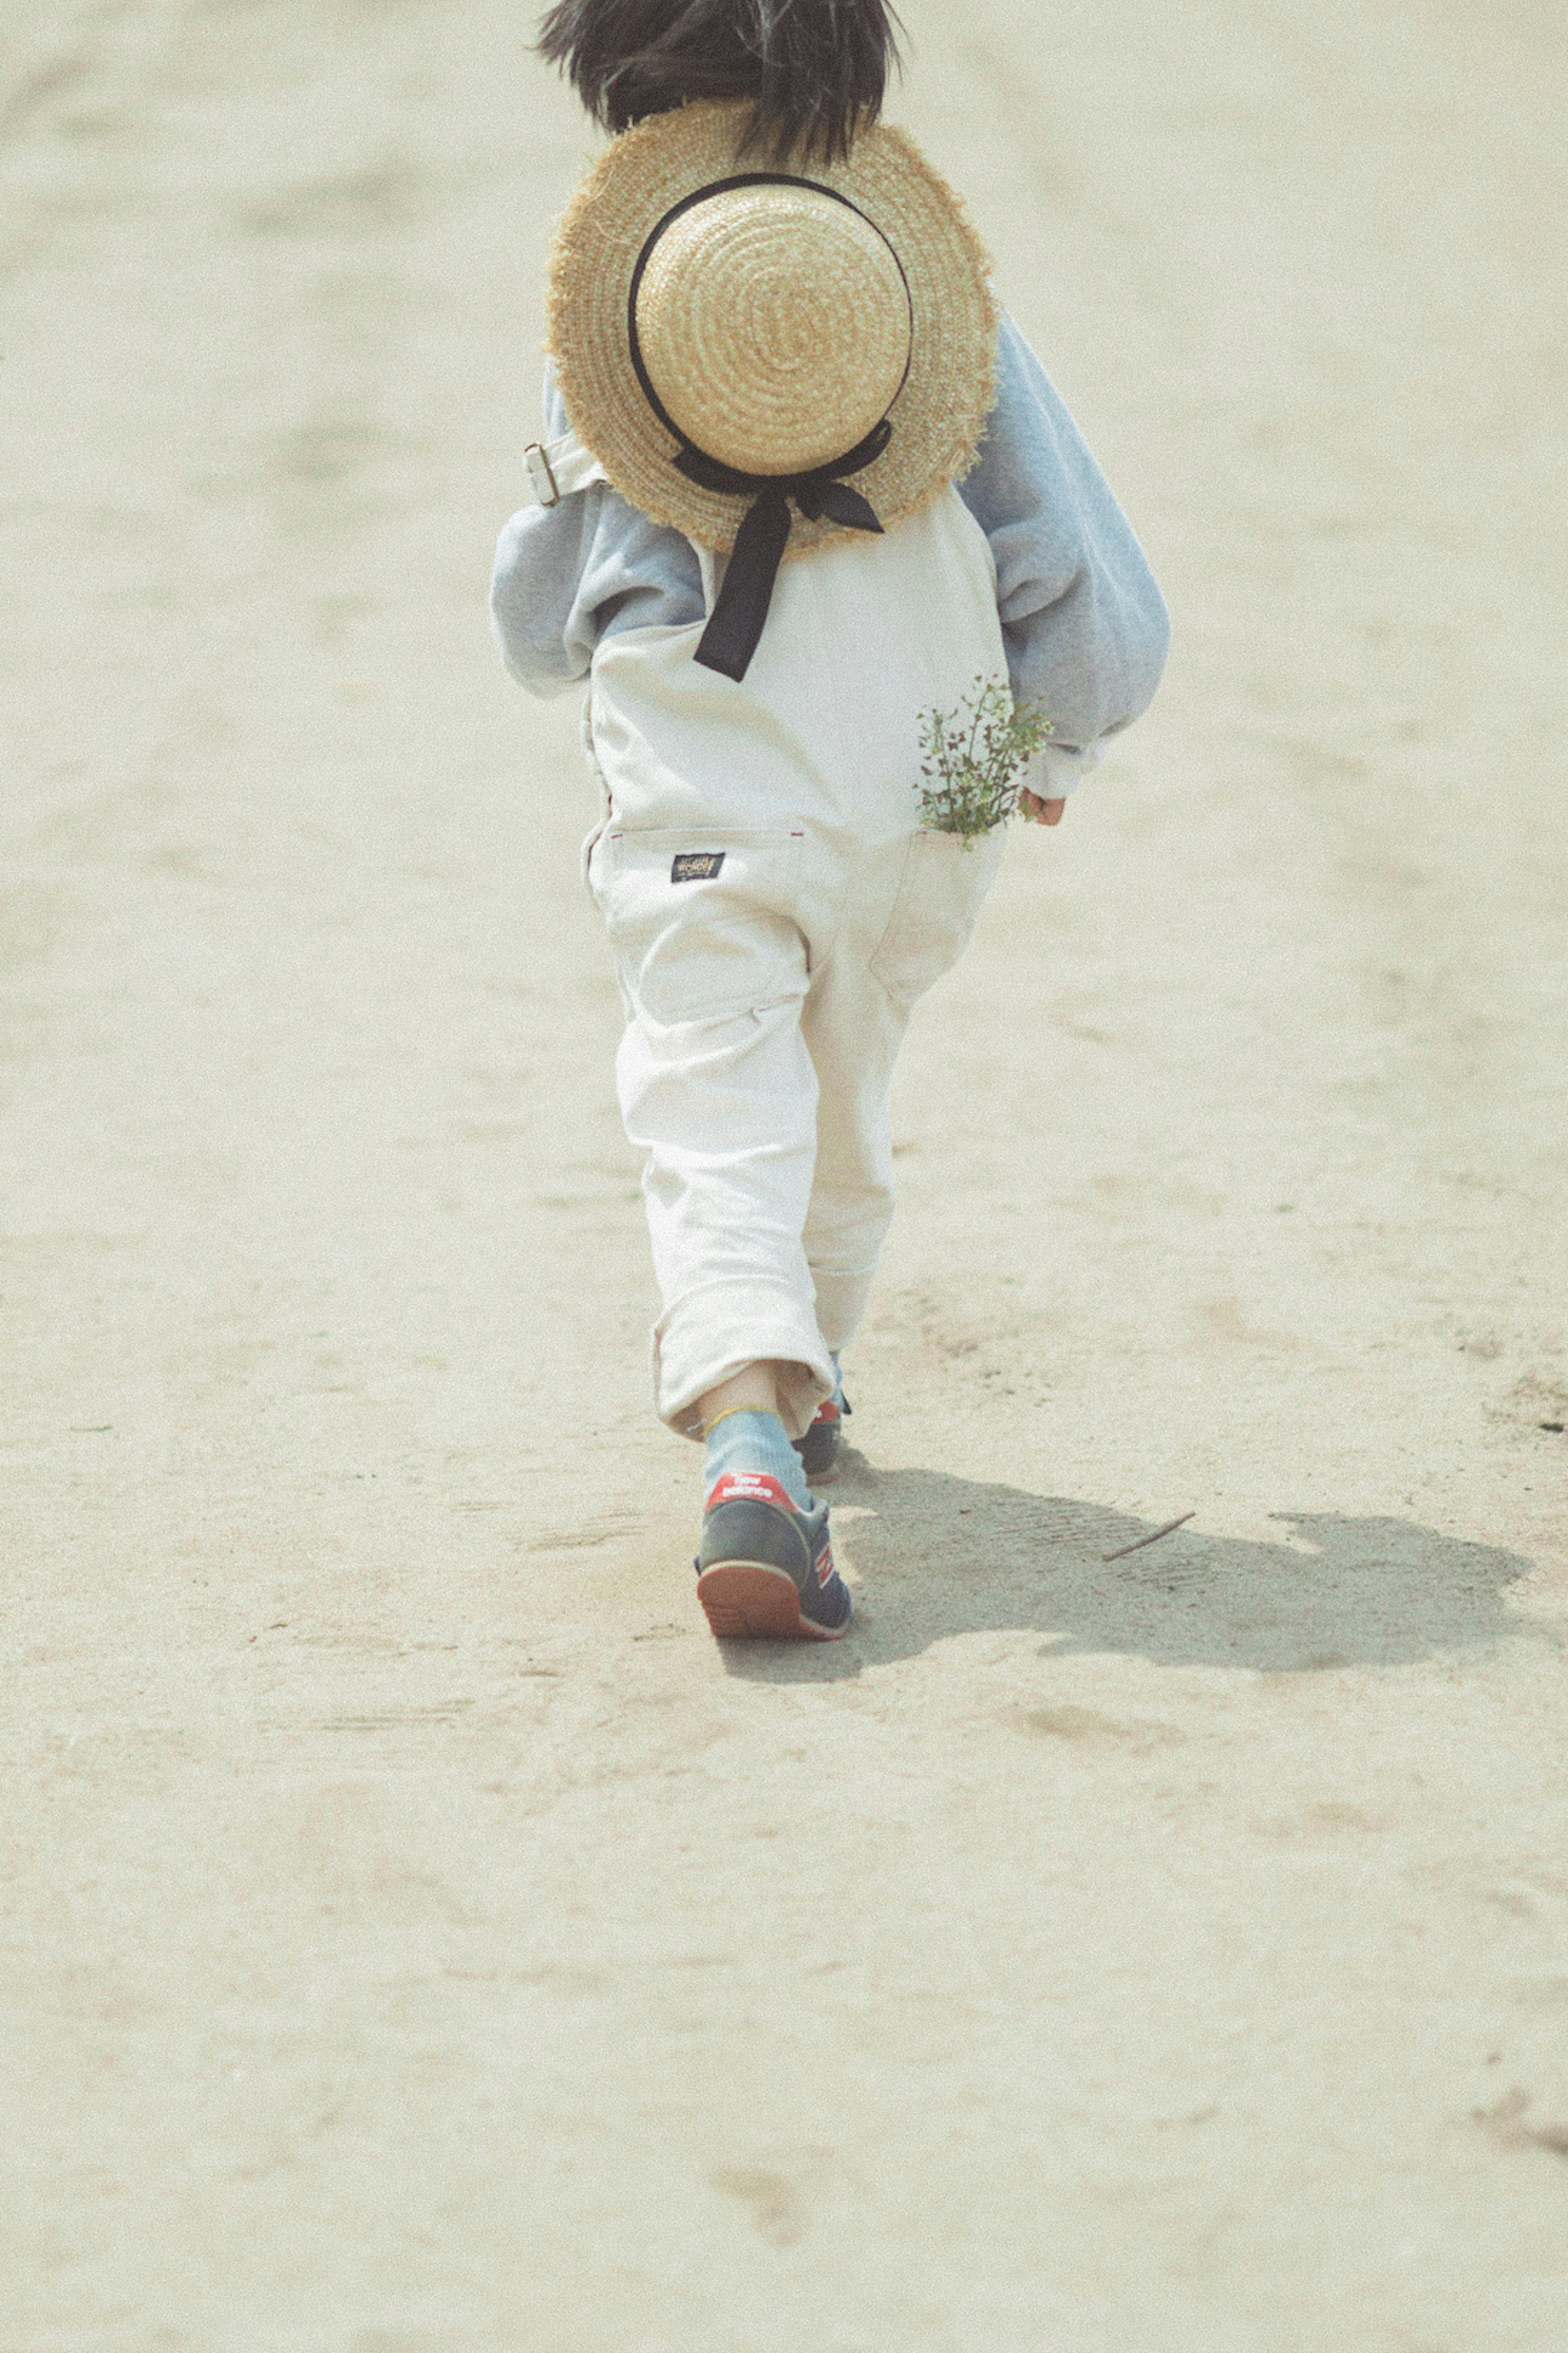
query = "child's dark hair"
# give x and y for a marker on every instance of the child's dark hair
(813, 70)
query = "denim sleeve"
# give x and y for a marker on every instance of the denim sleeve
(1084, 627)
(569, 575)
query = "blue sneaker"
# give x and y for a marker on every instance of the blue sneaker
(765, 1567)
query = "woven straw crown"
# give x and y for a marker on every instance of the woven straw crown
(775, 323)
(778, 319)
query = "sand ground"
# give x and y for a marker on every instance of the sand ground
(417, 1937)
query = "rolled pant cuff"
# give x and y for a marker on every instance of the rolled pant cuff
(719, 1330)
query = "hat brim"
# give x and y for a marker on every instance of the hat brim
(940, 415)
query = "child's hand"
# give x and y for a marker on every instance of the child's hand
(1039, 812)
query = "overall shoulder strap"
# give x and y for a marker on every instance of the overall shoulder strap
(556, 469)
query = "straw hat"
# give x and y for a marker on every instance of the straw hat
(827, 335)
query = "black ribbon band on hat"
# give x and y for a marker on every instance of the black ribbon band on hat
(739, 614)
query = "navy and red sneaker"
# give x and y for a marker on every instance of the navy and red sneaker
(766, 1567)
(818, 1450)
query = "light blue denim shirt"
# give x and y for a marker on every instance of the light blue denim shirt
(1084, 624)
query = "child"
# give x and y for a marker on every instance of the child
(802, 487)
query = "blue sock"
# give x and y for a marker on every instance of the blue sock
(756, 1441)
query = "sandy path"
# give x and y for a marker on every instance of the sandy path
(418, 1938)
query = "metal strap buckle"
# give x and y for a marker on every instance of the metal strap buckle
(542, 474)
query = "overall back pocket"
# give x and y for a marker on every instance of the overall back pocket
(939, 895)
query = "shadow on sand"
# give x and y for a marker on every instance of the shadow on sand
(934, 1556)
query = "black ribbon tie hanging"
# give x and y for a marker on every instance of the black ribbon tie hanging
(741, 612)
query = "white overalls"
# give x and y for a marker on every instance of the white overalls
(776, 910)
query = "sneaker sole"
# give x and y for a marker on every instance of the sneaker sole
(744, 1598)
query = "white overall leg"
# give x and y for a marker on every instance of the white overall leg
(854, 1030)
(718, 1088)
(910, 909)
(852, 1200)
